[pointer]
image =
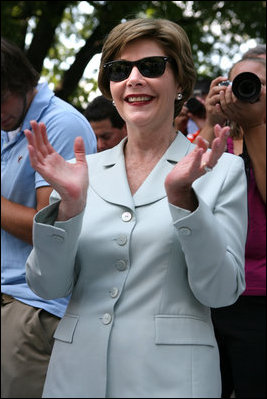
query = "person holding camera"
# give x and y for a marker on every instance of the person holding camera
(240, 328)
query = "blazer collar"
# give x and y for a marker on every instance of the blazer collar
(110, 180)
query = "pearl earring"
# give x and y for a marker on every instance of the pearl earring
(113, 103)
(179, 96)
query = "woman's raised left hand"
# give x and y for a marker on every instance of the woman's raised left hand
(178, 183)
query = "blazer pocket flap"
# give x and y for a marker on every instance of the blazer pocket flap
(66, 328)
(183, 330)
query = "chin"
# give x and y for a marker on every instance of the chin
(10, 128)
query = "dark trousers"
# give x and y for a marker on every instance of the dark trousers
(26, 345)
(241, 335)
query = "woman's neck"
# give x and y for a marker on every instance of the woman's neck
(144, 146)
(141, 156)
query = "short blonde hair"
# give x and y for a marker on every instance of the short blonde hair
(172, 39)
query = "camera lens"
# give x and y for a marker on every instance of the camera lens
(247, 87)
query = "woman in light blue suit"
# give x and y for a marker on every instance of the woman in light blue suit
(146, 237)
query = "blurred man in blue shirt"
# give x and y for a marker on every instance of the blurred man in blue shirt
(28, 321)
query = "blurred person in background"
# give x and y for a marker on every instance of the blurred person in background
(197, 117)
(197, 114)
(28, 322)
(192, 117)
(106, 123)
(192, 110)
(181, 121)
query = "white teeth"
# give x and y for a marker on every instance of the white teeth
(134, 99)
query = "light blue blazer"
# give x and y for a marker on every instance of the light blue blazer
(143, 275)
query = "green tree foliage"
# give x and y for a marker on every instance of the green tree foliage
(213, 27)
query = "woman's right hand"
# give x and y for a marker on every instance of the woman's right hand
(70, 180)
(214, 112)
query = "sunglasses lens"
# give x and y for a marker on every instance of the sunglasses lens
(152, 67)
(119, 71)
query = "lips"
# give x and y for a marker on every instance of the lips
(6, 120)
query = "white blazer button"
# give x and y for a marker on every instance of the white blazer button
(121, 240)
(185, 231)
(114, 292)
(121, 265)
(106, 319)
(126, 216)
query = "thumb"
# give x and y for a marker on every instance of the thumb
(79, 149)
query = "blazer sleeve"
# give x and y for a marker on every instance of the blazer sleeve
(50, 267)
(213, 237)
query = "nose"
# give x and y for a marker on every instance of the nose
(101, 146)
(135, 77)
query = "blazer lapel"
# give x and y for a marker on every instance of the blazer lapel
(109, 178)
(153, 188)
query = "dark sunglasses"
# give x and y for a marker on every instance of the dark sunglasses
(150, 67)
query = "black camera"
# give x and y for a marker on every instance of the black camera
(246, 87)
